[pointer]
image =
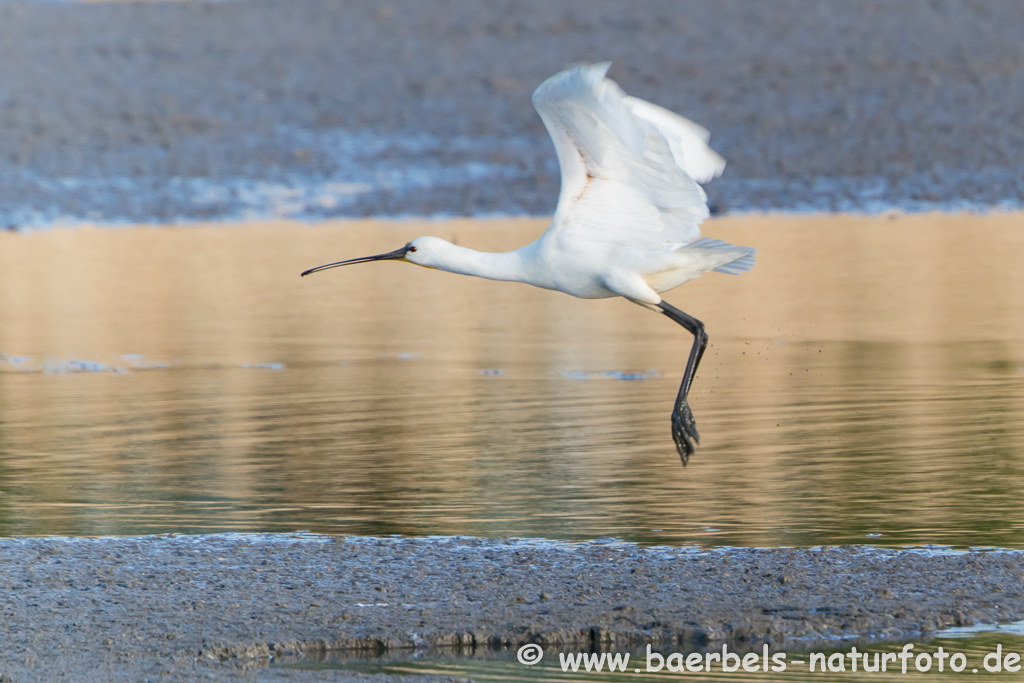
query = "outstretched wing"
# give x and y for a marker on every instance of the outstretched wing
(629, 168)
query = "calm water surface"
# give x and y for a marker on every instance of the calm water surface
(974, 646)
(865, 384)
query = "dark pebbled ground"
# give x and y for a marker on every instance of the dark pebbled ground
(182, 608)
(160, 111)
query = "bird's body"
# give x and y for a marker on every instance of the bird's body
(588, 270)
(628, 215)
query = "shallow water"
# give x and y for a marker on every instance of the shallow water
(865, 384)
(502, 668)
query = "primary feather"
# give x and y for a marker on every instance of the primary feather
(629, 167)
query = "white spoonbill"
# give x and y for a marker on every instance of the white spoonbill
(628, 216)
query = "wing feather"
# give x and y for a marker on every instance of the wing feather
(628, 166)
(687, 140)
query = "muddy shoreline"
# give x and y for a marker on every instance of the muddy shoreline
(183, 607)
(190, 111)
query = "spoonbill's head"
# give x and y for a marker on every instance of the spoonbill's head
(423, 251)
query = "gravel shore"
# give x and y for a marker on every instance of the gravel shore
(166, 111)
(187, 607)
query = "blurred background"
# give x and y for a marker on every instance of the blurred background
(195, 110)
(865, 382)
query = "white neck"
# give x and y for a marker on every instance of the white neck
(507, 265)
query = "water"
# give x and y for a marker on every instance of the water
(974, 646)
(865, 384)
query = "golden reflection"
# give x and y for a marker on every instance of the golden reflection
(867, 377)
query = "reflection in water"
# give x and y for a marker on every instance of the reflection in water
(502, 668)
(865, 383)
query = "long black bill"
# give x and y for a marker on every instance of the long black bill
(391, 255)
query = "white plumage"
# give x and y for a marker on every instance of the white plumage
(622, 153)
(628, 217)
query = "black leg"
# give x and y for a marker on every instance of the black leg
(684, 427)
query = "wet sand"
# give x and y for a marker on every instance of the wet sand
(161, 111)
(184, 608)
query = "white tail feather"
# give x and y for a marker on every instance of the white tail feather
(743, 262)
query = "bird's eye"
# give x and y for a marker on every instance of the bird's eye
(412, 248)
